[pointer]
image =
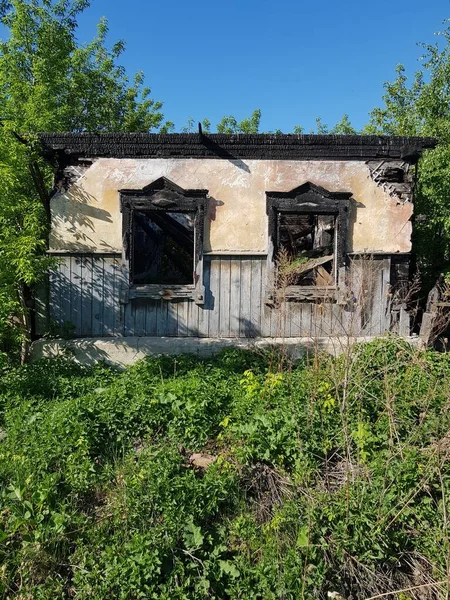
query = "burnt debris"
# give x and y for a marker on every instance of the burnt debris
(229, 147)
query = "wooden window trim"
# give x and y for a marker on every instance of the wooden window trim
(164, 195)
(307, 199)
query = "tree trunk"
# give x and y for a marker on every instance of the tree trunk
(25, 324)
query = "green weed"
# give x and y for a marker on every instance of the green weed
(323, 477)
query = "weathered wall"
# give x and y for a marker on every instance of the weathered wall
(87, 218)
(85, 299)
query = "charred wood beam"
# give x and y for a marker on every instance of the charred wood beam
(237, 147)
(394, 176)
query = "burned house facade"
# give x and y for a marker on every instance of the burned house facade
(219, 236)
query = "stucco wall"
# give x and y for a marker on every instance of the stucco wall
(87, 217)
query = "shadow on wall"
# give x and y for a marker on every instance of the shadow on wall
(75, 212)
(87, 300)
(353, 206)
(84, 296)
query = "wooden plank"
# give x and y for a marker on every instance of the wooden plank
(182, 319)
(310, 293)
(139, 317)
(338, 320)
(376, 306)
(313, 264)
(129, 317)
(292, 319)
(224, 295)
(266, 310)
(206, 308)
(86, 297)
(404, 325)
(76, 292)
(172, 317)
(245, 324)
(295, 319)
(255, 297)
(373, 295)
(386, 296)
(317, 317)
(65, 296)
(215, 286)
(110, 302)
(352, 319)
(276, 320)
(120, 287)
(151, 317)
(327, 319)
(426, 329)
(193, 310)
(161, 323)
(266, 317)
(357, 295)
(55, 296)
(305, 318)
(235, 296)
(97, 295)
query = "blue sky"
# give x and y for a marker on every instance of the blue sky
(294, 60)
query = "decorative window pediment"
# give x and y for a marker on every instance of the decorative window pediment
(163, 240)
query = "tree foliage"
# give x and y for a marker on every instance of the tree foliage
(421, 106)
(49, 82)
(251, 124)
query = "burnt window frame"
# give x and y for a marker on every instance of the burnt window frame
(307, 199)
(163, 195)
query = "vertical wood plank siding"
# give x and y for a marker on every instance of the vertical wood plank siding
(86, 296)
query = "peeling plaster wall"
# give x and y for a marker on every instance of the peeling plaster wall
(87, 218)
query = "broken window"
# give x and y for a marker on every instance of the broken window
(163, 247)
(307, 244)
(307, 241)
(163, 241)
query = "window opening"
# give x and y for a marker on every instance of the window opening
(162, 228)
(309, 243)
(163, 247)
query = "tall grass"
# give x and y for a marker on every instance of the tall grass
(326, 478)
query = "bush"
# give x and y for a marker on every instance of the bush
(317, 478)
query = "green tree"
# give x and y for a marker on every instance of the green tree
(230, 124)
(421, 106)
(321, 128)
(48, 82)
(344, 127)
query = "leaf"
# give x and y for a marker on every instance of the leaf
(16, 493)
(228, 568)
(303, 537)
(192, 536)
(225, 422)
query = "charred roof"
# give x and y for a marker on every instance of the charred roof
(239, 146)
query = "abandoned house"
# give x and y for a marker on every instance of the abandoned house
(229, 236)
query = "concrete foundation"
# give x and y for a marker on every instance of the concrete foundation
(123, 352)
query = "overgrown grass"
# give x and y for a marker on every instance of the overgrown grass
(330, 477)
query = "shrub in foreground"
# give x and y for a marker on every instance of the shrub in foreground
(240, 476)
